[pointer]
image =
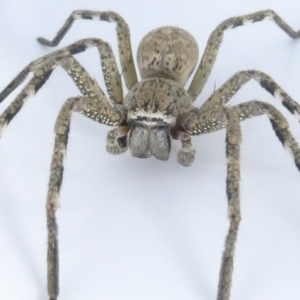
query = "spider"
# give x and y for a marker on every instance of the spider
(155, 110)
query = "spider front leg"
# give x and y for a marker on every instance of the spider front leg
(94, 105)
(40, 77)
(233, 141)
(198, 122)
(56, 174)
(234, 116)
(215, 40)
(195, 123)
(123, 35)
(90, 108)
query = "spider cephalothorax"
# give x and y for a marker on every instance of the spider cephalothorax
(156, 110)
(154, 106)
(167, 56)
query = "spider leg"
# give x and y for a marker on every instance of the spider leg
(32, 87)
(75, 48)
(62, 127)
(43, 67)
(198, 122)
(223, 94)
(215, 39)
(56, 175)
(233, 141)
(123, 34)
(278, 121)
(281, 128)
(186, 155)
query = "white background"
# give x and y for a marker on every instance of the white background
(145, 229)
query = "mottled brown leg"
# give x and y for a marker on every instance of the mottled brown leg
(215, 39)
(198, 122)
(39, 78)
(186, 155)
(56, 175)
(223, 94)
(123, 34)
(96, 106)
(233, 141)
(62, 127)
(43, 67)
(279, 123)
(39, 63)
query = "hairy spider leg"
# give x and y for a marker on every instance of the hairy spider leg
(43, 67)
(123, 35)
(215, 39)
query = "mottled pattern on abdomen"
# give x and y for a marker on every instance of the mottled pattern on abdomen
(168, 52)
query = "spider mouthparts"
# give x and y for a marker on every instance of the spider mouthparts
(144, 155)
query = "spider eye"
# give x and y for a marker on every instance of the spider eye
(160, 142)
(139, 140)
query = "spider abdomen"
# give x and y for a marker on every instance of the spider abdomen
(168, 52)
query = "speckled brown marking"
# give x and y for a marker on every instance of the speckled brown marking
(173, 49)
(96, 105)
